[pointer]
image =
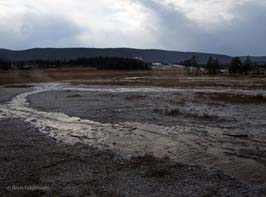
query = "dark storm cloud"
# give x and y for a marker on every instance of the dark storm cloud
(247, 34)
(244, 35)
(172, 28)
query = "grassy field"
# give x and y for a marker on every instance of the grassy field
(156, 77)
(51, 75)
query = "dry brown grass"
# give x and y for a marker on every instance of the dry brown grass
(177, 112)
(74, 96)
(19, 86)
(135, 97)
(233, 98)
(161, 78)
(51, 75)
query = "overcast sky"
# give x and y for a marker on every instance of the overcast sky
(233, 27)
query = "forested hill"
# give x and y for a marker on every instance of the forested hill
(149, 55)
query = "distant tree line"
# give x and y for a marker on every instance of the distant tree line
(213, 66)
(114, 63)
(4, 64)
(237, 66)
(193, 62)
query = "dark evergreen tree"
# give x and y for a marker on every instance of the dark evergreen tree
(247, 65)
(194, 61)
(5, 65)
(235, 66)
(212, 66)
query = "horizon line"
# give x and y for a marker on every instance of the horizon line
(155, 49)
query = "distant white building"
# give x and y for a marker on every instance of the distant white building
(138, 58)
(157, 64)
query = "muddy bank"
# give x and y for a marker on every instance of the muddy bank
(28, 158)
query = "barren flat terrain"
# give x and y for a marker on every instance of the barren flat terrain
(87, 132)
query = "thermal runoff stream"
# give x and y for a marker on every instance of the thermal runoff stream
(148, 120)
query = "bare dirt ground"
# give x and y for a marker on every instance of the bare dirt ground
(206, 135)
(29, 158)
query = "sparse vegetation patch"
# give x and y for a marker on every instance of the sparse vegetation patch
(74, 96)
(135, 97)
(233, 98)
(178, 112)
